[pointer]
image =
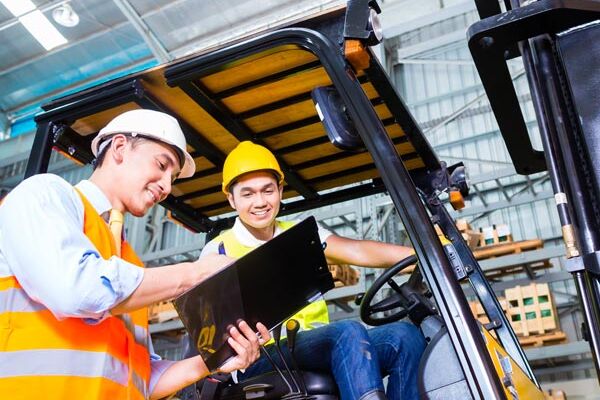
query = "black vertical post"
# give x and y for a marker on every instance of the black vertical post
(39, 158)
(468, 341)
(568, 178)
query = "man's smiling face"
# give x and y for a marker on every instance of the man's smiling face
(256, 196)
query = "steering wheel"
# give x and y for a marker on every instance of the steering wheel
(401, 295)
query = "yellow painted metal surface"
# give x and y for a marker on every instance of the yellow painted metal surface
(517, 385)
(269, 94)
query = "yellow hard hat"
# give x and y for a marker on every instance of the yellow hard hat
(248, 157)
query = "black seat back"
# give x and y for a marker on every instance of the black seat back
(318, 384)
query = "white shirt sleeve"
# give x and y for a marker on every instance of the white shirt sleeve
(323, 233)
(43, 245)
(211, 247)
(158, 366)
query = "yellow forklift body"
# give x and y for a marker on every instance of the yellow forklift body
(517, 385)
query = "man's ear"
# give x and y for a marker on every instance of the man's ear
(117, 147)
(231, 200)
(280, 190)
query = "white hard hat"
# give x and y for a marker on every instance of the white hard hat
(151, 124)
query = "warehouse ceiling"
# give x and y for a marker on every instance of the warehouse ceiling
(116, 37)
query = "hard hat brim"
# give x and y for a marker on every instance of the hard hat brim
(189, 167)
(187, 170)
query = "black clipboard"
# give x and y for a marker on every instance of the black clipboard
(268, 285)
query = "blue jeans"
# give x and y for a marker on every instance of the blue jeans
(358, 358)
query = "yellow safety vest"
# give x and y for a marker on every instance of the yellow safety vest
(311, 316)
(44, 358)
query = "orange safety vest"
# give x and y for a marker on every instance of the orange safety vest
(44, 358)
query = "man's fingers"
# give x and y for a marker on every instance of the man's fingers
(238, 337)
(247, 352)
(245, 342)
(264, 333)
(247, 339)
(248, 332)
(239, 348)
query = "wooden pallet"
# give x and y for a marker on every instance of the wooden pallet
(161, 312)
(479, 313)
(502, 249)
(546, 339)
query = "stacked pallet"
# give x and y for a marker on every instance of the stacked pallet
(479, 313)
(344, 275)
(497, 241)
(495, 234)
(471, 236)
(532, 314)
(161, 312)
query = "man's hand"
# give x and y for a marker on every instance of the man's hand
(246, 344)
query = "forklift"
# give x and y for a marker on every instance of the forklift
(314, 93)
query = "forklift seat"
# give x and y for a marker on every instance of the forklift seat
(319, 386)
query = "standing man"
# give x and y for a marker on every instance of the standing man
(357, 357)
(73, 294)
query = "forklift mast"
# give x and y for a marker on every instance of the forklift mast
(557, 41)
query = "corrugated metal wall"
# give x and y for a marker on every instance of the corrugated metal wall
(444, 80)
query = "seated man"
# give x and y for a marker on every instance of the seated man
(357, 358)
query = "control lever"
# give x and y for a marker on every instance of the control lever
(292, 326)
(277, 337)
(359, 298)
(273, 363)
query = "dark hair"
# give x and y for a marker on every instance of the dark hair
(99, 160)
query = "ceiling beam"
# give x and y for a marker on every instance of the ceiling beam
(4, 125)
(4, 121)
(155, 45)
(232, 123)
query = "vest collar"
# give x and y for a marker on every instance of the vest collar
(245, 238)
(95, 196)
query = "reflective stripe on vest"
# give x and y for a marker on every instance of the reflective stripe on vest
(311, 316)
(64, 362)
(42, 357)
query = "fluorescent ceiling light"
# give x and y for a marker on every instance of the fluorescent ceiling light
(42, 29)
(18, 7)
(65, 15)
(35, 22)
